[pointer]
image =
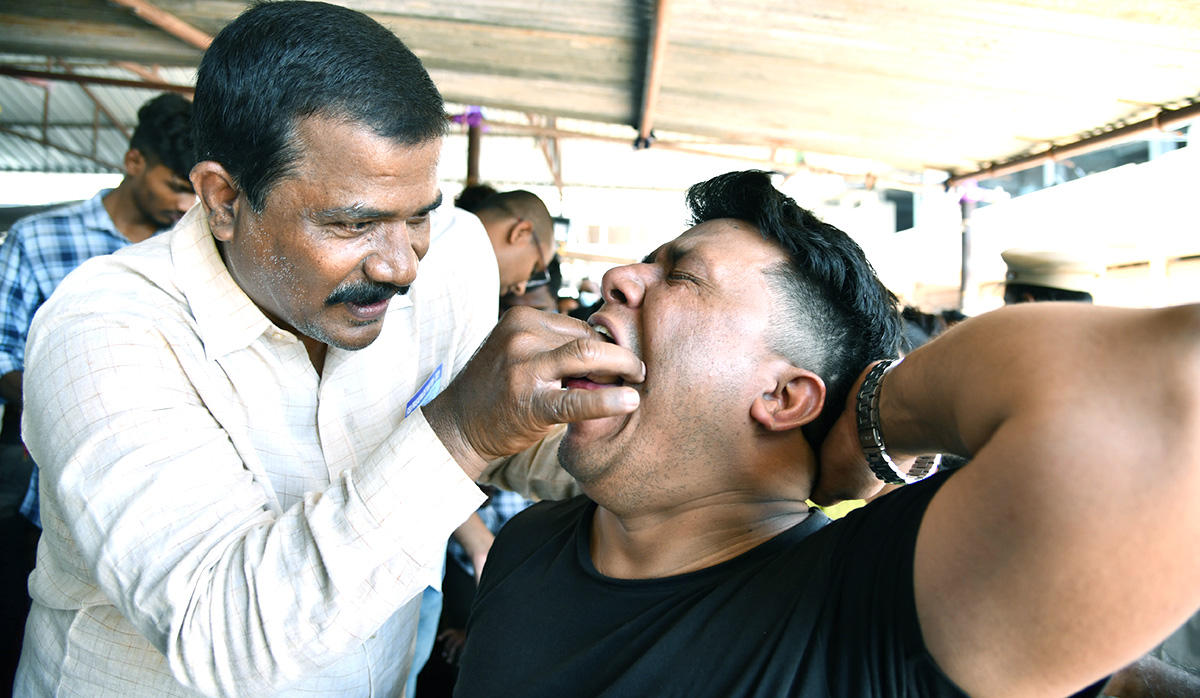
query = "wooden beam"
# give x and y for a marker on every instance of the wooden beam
(14, 72)
(68, 151)
(150, 74)
(1165, 120)
(653, 75)
(167, 22)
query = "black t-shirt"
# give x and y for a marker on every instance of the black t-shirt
(821, 610)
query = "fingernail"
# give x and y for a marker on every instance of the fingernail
(643, 370)
(630, 398)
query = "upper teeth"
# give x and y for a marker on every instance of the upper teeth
(601, 329)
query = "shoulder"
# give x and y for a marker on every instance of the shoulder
(545, 525)
(458, 241)
(136, 282)
(63, 219)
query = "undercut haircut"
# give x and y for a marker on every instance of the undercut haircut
(831, 314)
(280, 62)
(163, 134)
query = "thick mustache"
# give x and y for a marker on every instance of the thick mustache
(365, 293)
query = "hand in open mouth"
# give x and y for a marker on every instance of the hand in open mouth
(592, 381)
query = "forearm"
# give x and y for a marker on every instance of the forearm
(476, 539)
(954, 394)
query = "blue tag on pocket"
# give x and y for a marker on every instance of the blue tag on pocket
(428, 391)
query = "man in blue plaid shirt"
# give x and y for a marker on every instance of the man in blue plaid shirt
(39, 251)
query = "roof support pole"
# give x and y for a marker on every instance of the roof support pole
(654, 69)
(474, 141)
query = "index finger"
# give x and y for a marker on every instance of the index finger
(591, 357)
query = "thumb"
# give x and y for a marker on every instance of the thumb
(578, 405)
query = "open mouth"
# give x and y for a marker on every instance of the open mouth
(595, 382)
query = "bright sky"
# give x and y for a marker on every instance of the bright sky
(35, 188)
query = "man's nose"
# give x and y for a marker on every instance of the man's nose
(394, 260)
(625, 285)
(518, 289)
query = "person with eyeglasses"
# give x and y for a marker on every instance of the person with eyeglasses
(522, 235)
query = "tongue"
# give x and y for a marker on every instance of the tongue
(592, 382)
(606, 380)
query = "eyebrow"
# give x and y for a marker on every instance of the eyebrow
(674, 251)
(362, 212)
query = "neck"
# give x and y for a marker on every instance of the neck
(122, 208)
(687, 538)
(316, 351)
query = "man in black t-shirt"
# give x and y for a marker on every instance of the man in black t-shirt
(694, 566)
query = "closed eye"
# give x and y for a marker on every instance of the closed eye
(359, 227)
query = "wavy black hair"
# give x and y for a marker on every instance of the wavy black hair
(163, 133)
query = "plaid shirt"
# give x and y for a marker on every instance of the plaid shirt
(501, 506)
(38, 252)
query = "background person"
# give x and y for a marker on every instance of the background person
(522, 235)
(37, 253)
(1047, 275)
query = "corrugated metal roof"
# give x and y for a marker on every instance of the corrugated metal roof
(913, 84)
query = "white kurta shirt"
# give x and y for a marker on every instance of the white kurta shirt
(218, 518)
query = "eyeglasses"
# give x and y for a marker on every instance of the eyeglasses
(539, 277)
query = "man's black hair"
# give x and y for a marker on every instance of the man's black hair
(1014, 293)
(280, 62)
(163, 133)
(471, 197)
(834, 316)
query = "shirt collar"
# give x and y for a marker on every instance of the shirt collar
(95, 216)
(226, 318)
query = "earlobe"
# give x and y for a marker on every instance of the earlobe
(796, 400)
(220, 196)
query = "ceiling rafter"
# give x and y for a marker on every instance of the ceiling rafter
(96, 101)
(167, 22)
(81, 79)
(1164, 120)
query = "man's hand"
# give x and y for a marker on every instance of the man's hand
(510, 393)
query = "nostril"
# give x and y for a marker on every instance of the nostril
(618, 296)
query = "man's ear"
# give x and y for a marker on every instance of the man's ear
(220, 196)
(135, 163)
(519, 234)
(796, 399)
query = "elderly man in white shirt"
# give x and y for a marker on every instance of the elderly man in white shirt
(258, 430)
